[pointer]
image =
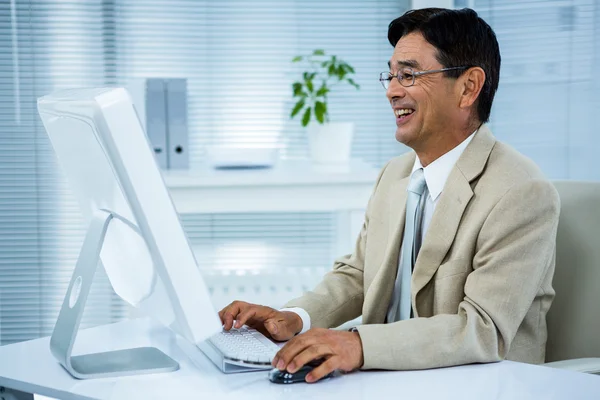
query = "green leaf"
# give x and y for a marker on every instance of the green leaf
(349, 68)
(319, 52)
(320, 110)
(305, 75)
(309, 86)
(323, 90)
(340, 72)
(306, 117)
(297, 86)
(350, 81)
(324, 64)
(299, 106)
(331, 70)
(297, 58)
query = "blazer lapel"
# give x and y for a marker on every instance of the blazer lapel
(451, 205)
(379, 295)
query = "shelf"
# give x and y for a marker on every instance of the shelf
(291, 186)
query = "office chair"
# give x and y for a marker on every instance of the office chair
(574, 317)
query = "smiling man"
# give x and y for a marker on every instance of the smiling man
(455, 259)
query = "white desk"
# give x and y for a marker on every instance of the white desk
(29, 367)
(291, 186)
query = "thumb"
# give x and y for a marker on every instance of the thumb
(279, 329)
(272, 328)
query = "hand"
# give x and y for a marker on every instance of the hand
(341, 350)
(279, 325)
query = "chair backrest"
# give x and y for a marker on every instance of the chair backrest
(574, 317)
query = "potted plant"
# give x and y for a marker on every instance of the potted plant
(329, 143)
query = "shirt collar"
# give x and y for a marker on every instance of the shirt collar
(436, 173)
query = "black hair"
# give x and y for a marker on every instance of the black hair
(461, 38)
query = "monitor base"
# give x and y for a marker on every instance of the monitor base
(136, 361)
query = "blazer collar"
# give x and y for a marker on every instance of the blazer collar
(437, 172)
(473, 160)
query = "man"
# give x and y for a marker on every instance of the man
(455, 259)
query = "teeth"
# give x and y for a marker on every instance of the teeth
(403, 111)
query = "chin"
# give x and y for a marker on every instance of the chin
(404, 136)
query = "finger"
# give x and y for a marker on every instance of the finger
(222, 314)
(312, 353)
(322, 370)
(293, 348)
(244, 316)
(230, 315)
(228, 321)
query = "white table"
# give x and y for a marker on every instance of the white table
(291, 186)
(29, 367)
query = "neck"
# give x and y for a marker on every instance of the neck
(438, 145)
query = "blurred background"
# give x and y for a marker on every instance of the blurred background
(235, 57)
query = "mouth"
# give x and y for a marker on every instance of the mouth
(403, 115)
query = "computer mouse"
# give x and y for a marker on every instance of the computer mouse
(277, 376)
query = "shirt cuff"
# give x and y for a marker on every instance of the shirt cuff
(303, 316)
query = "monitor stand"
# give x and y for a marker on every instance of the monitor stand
(135, 361)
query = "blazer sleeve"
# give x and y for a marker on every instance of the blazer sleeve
(339, 296)
(515, 250)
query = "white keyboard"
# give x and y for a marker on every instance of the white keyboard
(245, 345)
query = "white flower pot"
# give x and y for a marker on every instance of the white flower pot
(330, 143)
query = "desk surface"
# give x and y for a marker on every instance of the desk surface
(29, 367)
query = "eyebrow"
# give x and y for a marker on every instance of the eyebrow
(406, 63)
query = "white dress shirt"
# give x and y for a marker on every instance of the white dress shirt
(436, 175)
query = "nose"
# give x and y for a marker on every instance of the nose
(395, 90)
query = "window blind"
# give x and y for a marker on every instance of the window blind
(236, 57)
(44, 46)
(548, 96)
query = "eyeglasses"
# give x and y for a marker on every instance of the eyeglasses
(406, 76)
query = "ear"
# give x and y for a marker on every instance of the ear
(471, 83)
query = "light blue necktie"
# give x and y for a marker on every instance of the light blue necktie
(400, 305)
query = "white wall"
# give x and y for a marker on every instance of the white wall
(432, 3)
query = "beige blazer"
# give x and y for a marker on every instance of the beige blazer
(481, 285)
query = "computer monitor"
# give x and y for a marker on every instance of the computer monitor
(134, 230)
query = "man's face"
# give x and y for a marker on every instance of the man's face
(431, 101)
